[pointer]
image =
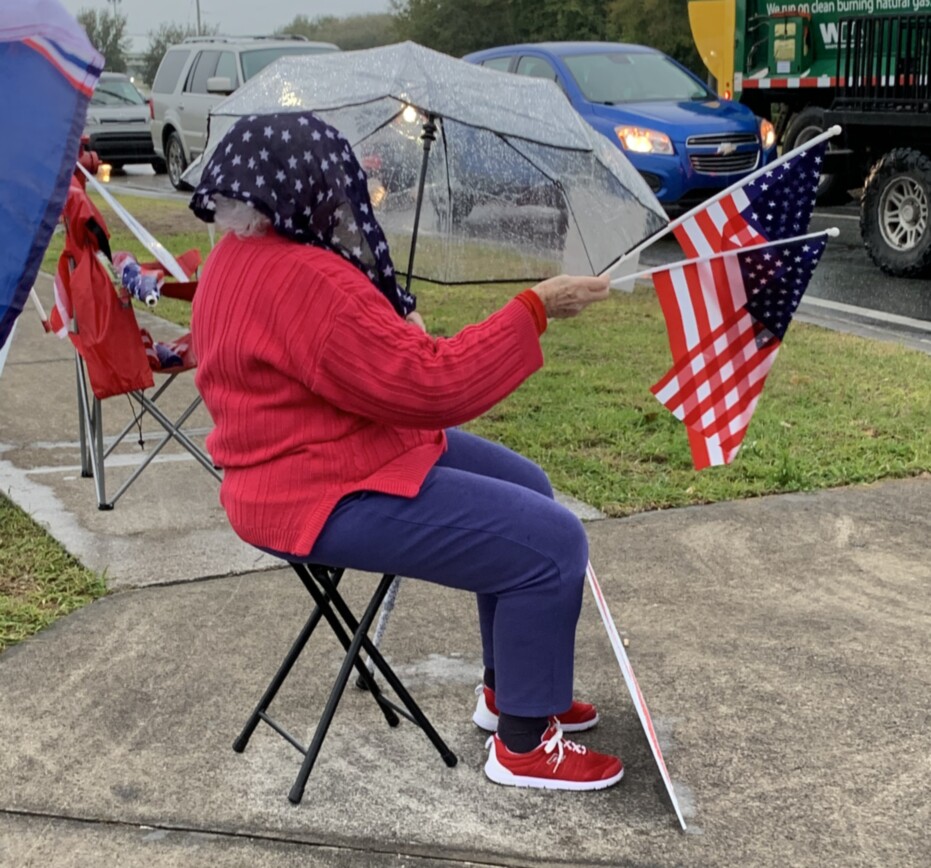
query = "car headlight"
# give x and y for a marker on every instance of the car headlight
(767, 133)
(643, 141)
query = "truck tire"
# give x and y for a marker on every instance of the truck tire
(894, 213)
(176, 161)
(804, 126)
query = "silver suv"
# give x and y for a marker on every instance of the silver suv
(118, 123)
(195, 75)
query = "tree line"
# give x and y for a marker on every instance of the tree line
(454, 28)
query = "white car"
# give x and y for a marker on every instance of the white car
(195, 75)
(118, 123)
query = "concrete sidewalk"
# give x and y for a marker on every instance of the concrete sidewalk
(781, 643)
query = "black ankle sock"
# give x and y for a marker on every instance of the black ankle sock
(489, 678)
(521, 734)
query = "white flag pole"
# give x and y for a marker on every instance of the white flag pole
(636, 251)
(634, 688)
(832, 232)
(152, 244)
(39, 309)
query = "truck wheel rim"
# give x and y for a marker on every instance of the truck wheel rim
(903, 214)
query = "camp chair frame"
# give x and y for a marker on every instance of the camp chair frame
(90, 414)
(91, 437)
(322, 584)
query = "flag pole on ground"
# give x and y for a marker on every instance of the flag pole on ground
(633, 688)
(387, 607)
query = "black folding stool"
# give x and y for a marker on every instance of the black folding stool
(322, 584)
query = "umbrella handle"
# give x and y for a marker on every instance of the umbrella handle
(429, 137)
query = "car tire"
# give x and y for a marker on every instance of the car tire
(159, 166)
(808, 123)
(895, 213)
(175, 160)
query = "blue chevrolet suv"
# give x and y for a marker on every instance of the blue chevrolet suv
(686, 142)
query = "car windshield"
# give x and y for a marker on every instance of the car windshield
(255, 61)
(618, 76)
(116, 92)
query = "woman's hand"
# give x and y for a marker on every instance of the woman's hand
(416, 319)
(568, 295)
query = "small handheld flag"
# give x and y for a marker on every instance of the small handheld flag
(726, 317)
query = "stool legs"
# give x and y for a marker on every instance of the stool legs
(275, 685)
(415, 715)
(322, 585)
(351, 658)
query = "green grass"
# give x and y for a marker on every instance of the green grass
(39, 581)
(837, 410)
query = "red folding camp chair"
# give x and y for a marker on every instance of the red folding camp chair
(111, 351)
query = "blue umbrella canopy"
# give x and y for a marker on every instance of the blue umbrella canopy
(49, 70)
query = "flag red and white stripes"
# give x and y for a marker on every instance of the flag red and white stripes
(714, 389)
(725, 317)
(62, 313)
(718, 227)
(773, 204)
(695, 298)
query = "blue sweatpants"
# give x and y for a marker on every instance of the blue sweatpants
(484, 521)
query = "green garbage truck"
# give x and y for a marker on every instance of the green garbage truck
(863, 64)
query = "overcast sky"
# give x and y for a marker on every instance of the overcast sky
(233, 16)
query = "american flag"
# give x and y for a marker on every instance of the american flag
(772, 205)
(726, 317)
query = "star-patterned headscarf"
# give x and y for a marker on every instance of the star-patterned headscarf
(301, 173)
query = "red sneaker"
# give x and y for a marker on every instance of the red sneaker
(580, 716)
(557, 764)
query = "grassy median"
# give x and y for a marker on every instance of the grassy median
(837, 410)
(39, 581)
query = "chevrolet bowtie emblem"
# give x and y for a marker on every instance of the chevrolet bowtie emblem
(725, 149)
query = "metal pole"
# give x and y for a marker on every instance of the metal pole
(387, 607)
(428, 137)
(198, 18)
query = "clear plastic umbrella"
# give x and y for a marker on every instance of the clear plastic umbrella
(486, 176)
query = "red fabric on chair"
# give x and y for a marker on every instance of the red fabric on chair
(96, 312)
(107, 335)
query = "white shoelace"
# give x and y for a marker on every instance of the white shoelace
(557, 743)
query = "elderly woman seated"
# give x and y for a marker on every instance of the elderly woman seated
(335, 415)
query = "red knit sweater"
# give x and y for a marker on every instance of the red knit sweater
(317, 388)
